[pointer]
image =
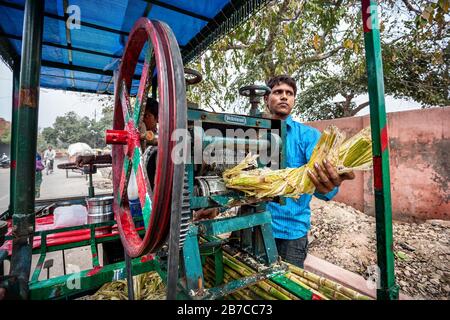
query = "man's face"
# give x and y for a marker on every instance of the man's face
(150, 121)
(280, 101)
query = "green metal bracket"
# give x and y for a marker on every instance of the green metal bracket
(221, 226)
(230, 287)
(76, 283)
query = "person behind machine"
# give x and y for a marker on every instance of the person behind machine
(149, 137)
(150, 120)
(291, 222)
(49, 158)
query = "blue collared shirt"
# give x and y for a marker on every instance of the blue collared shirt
(292, 221)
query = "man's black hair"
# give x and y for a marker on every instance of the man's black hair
(152, 106)
(284, 78)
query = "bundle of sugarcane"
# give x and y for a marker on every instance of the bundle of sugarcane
(234, 269)
(147, 286)
(269, 290)
(331, 289)
(356, 153)
(353, 154)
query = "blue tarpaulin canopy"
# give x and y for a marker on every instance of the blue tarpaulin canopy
(81, 57)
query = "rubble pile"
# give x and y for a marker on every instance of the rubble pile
(346, 237)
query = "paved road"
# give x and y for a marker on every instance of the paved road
(57, 185)
(54, 185)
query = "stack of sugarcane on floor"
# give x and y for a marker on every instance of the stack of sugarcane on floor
(235, 268)
(149, 286)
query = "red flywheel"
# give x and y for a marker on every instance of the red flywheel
(163, 59)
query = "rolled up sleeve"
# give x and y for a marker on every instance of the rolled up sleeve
(328, 196)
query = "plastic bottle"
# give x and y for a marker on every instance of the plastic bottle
(133, 199)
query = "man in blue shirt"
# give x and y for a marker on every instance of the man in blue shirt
(291, 222)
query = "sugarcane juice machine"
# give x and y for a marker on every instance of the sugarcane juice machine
(169, 189)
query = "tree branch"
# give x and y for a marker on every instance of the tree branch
(321, 56)
(236, 47)
(360, 107)
(410, 7)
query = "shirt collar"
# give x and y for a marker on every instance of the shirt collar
(289, 120)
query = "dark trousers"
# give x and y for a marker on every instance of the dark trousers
(293, 251)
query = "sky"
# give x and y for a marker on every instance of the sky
(54, 103)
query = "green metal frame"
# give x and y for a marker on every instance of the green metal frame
(383, 205)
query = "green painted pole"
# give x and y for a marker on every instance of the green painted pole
(14, 134)
(388, 290)
(25, 125)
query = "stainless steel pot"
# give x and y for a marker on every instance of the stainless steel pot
(99, 209)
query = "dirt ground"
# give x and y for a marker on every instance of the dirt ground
(346, 237)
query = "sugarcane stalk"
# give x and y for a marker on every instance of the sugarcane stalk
(269, 282)
(330, 293)
(262, 284)
(328, 283)
(254, 288)
(210, 273)
(282, 290)
(303, 284)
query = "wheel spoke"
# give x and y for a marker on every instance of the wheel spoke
(143, 186)
(125, 102)
(144, 84)
(125, 177)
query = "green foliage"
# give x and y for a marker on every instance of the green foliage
(321, 44)
(72, 128)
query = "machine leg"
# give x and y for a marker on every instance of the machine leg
(191, 255)
(129, 268)
(26, 122)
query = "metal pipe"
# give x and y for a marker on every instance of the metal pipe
(14, 135)
(25, 149)
(91, 185)
(385, 256)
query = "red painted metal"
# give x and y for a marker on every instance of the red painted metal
(127, 121)
(116, 137)
(56, 239)
(367, 18)
(93, 271)
(377, 174)
(384, 138)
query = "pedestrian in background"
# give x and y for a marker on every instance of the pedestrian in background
(38, 181)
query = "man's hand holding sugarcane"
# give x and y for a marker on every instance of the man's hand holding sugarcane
(327, 178)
